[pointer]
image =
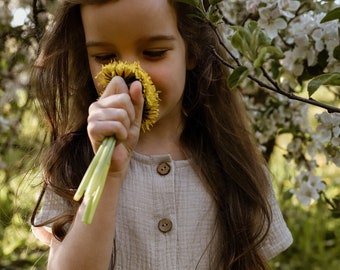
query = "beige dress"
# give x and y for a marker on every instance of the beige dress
(166, 218)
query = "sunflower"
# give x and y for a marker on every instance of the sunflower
(131, 72)
(94, 179)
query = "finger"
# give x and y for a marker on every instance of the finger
(137, 100)
(107, 128)
(117, 85)
(117, 101)
(110, 114)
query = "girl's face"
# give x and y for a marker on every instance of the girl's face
(144, 31)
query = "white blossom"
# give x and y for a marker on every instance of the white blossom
(292, 63)
(271, 21)
(302, 38)
(309, 187)
(306, 193)
(252, 5)
(287, 7)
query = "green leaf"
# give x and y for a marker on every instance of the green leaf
(249, 39)
(214, 2)
(258, 36)
(287, 195)
(266, 53)
(324, 79)
(237, 76)
(263, 39)
(252, 26)
(336, 52)
(213, 14)
(244, 33)
(332, 15)
(237, 41)
(275, 69)
(310, 72)
(194, 3)
(241, 40)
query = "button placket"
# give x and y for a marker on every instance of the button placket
(165, 222)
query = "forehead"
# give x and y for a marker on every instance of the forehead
(127, 16)
(127, 6)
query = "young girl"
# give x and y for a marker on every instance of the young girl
(193, 192)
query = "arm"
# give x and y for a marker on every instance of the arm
(119, 113)
(89, 246)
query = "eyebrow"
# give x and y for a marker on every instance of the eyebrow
(148, 39)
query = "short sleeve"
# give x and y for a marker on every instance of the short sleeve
(279, 237)
(53, 206)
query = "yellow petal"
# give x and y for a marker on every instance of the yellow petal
(132, 72)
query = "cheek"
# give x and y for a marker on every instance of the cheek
(171, 88)
(95, 69)
(170, 81)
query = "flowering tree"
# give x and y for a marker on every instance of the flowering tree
(285, 56)
(279, 53)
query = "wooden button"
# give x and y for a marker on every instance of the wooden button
(163, 168)
(165, 225)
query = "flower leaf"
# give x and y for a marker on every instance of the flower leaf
(252, 26)
(336, 52)
(194, 3)
(214, 2)
(237, 76)
(213, 14)
(266, 53)
(332, 15)
(241, 40)
(249, 39)
(324, 79)
(259, 37)
(237, 41)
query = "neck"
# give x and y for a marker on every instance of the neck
(162, 139)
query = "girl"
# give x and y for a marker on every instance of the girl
(192, 193)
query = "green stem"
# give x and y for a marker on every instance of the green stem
(85, 218)
(96, 176)
(88, 174)
(94, 179)
(94, 200)
(99, 187)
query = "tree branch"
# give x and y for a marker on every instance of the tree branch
(273, 85)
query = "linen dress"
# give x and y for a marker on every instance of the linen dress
(166, 218)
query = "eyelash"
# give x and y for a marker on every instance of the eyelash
(153, 55)
(105, 58)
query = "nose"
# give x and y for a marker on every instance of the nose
(128, 57)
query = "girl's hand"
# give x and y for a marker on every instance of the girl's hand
(117, 113)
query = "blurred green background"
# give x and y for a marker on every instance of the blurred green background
(316, 233)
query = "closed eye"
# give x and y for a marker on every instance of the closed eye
(154, 54)
(106, 58)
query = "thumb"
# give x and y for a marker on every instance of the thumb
(137, 98)
(117, 85)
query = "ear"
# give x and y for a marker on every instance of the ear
(191, 61)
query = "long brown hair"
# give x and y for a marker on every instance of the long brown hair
(216, 133)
